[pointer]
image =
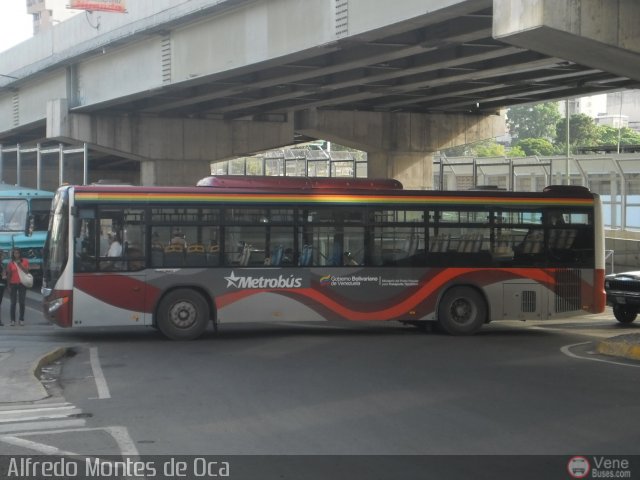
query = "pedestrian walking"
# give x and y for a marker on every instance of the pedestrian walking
(17, 290)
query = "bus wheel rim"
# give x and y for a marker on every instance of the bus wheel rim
(462, 311)
(183, 314)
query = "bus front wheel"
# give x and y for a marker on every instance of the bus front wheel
(183, 314)
(462, 311)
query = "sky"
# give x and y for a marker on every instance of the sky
(16, 25)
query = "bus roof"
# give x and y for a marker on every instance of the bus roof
(13, 191)
(304, 183)
(326, 195)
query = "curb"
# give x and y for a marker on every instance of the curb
(46, 359)
(626, 346)
(21, 376)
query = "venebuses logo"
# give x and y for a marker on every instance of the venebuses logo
(263, 282)
(599, 467)
(578, 467)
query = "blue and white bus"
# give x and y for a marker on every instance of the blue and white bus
(24, 219)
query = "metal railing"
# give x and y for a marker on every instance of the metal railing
(610, 254)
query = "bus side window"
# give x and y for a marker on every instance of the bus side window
(135, 259)
(352, 245)
(397, 245)
(281, 245)
(306, 256)
(40, 220)
(85, 241)
(532, 243)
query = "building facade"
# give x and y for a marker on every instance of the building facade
(48, 12)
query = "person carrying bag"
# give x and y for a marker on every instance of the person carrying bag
(26, 278)
(3, 283)
(17, 267)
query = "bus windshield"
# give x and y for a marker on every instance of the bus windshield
(24, 218)
(55, 249)
(13, 215)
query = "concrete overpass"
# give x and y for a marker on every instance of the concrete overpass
(176, 84)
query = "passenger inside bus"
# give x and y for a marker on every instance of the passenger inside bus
(115, 247)
(115, 250)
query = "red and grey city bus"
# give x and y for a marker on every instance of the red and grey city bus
(238, 249)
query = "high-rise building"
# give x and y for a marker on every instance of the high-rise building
(616, 109)
(625, 105)
(48, 12)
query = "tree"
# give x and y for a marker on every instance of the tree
(536, 146)
(607, 135)
(533, 121)
(582, 131)
(629, 137)
(516, 151)
(490, 149)
(465, 150)
(484, 148)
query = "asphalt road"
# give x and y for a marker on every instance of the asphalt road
(334, 389)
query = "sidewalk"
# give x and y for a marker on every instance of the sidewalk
(19, 368)
(20, 358)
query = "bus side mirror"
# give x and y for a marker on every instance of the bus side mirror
(28, 231)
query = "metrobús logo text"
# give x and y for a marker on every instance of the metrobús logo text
(263, 282)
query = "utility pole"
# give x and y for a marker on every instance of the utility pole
(567, 167)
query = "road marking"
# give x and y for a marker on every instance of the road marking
(121, 436)
(566, 350)
(35, 446)
(123, 439)
(23, 427)
(35, 408)
(49, 416)
(25, 418)
(101, 382)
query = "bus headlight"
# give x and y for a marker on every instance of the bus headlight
(57, 304)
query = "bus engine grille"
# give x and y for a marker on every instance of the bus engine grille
(568, 291)
(529, 303)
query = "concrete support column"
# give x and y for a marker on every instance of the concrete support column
(399, 145)
(172, 173)
(602, 34)
(413, 170)
(182, 149)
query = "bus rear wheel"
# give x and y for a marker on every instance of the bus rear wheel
(462, 311)
(624, 314)
(183, 314)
